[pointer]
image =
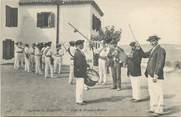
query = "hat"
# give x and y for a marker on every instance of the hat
(59, 45)
(153, 38)
(132, 44)
(72, 43)
(79, 42)
(49, 43)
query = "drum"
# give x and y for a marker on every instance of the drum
(92, 77)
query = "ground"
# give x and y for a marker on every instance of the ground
(31, 95)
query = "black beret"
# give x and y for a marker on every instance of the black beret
(72, 43)
(153, 38)
(59, 45)
(132, 44)
(78, 42)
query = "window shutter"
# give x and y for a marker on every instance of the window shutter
(14, 17)
(51, 20)
(7, 16)
(38, 20)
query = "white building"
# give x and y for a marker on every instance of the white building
(47, 20)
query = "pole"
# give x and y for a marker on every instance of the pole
(134, 37)
(76, 30)
(58, 17)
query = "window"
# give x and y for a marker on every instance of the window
(45, 20)
(8, 49)
(11, 16)
(96, 23)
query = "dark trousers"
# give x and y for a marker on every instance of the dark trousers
(116, 75)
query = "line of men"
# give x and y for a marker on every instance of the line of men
(38, 57)
(112, 57)
(108, 56)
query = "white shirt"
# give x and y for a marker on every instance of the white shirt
(26, 50)
(37, 52)
(104, 52)
(60, 53)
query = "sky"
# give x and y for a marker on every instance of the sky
(146, 17)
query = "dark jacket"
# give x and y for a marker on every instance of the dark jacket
(80, 64)
(156, 62)
(134, 63)
(114, 59)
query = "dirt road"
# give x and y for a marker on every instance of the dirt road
(31, 95)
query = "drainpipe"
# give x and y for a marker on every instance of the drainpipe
(58, 17)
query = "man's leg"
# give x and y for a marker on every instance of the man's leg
(79, 90)
(159, 97)
(100, 71)
(46, 68)
(60, 66)
(151, 93)
(71, 74)
(104, 72)
(138, 88)
(51, 69)
(118, 72)
(133, 84)
(113, 72)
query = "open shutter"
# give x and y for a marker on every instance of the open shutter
(8, 16)
(39, 20)
(14, 17)
(51, 20)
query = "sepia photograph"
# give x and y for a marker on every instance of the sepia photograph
(90, 58)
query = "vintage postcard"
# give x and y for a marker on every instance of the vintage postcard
(90, 57)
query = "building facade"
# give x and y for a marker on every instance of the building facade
(47, 20)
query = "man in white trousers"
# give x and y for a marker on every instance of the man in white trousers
(48, 60)
(18, 50)
(103, 63)
(27, 58)
(58, 59)
(71, 52)
(80, 67)
(37, 59)
(32, 57)
(155, 74)
(134, 69)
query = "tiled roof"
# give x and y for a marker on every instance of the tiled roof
(62, 2)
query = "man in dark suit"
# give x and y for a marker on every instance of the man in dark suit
(134, 69)
(115, 63)
(155, 74)
(80, 68)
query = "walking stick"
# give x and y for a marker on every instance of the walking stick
(134, 37)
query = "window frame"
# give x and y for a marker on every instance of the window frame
(50, 20)
(11, 19)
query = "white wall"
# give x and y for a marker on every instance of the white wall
(7, 32)
(29, 32)
(79, 16)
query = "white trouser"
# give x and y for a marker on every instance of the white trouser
(102, 71)
(37, 65)
(136, 87)
(21, 59)
(58, 64)
(48, 66)
(27, 64)
(32, 62)
(79, 90)
(156, 95)
(71, 73)
(16, 60)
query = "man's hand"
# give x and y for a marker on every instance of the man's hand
(155, 78)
